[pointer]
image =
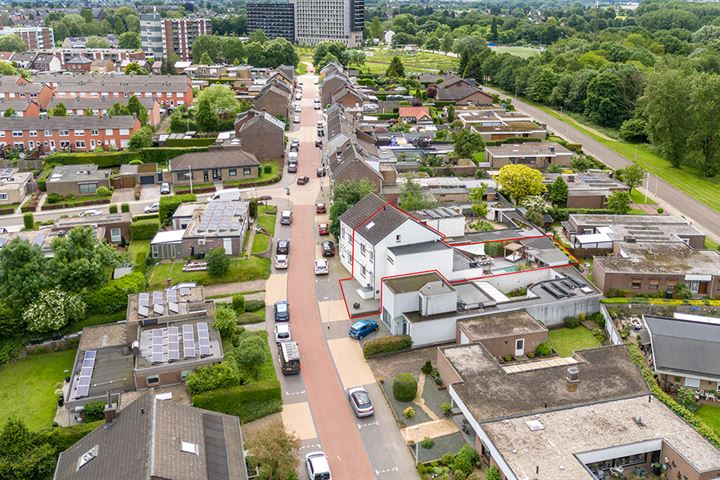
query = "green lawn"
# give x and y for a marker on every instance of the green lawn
(27, 387)
(710, 414)
(138, 249)
(523, 52)
(241, 270)
(378, 60)
(639, 198)
(567, 340)
(262, 242)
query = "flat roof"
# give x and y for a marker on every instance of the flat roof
(78, 173)
(422, 247)
(491, 393)
(413, 283)
(112, 371)
(518, 322)
(527, 149)
(646, 228)
(670, 258)
(99, 336)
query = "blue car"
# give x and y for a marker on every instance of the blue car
(282, 311)
(362, 328)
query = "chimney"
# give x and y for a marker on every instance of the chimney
(110, 410)
(552, 148)
(573, 375)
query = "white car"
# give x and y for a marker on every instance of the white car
(91, 213)
(317, 106)
(321, 267)
(282, 262)
(298, 96)
(317, 466)
(296, 119)
(298, 108)
(282, 332)
(152, 208)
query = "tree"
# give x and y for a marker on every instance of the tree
(221, 98)
(12, 43)
(447, 42)
(476, 196)
(686, 396)
(667, 118)
(396, 68)
(606, 101)
(53, 309)
(212, 45)
(345, 195)
(168, 64)
(274, 451)
(118, 109)
(634, 130)
(258, 36)
(143, 138)
(7, 68)
(541, 84)
(134, 106)
(217, 262)
(129, 40)
(619, 202)
(226, 323)
(704, 135)
(375, 28)
(466, 142)
(250, 355)
(25, 454)
(356, 58)
(133, 68)
(322, 49)
(23, 274)
(559, 191)
(97, 42)
(581, 163)
(521, 181)
(81, 261)
(413, 198)
(633, 176)
(206, 118)
(206, 59)
(233, 50)
(10, 112)
(279, 51)
(59, 110)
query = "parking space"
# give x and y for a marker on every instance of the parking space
(349, 362)
(298, 419)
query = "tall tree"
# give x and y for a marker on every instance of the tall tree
(274, 451)
(375, 29)
(396, 68)
(133, 68)
(619, 202)
(667, 117)
(345, 195)
(12, 43)
(143, 138)
(476, 196)
(258, 36)
(521, 181)
(413, 198)
(206, 118)
(559, 191)
(59, 110)
(81, 261)
(221, 99)
(129, 40)
(134, 106)
(97, 42)
(23, 274)
(632, 176)
(704, 125)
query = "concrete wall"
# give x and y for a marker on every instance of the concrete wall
(506, 283)
(440, 260)
(451, 227)
(433, 331)
(448, 374)
(552, 314)
(440, 303)
(502, 346)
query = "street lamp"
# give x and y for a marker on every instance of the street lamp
(190, 175)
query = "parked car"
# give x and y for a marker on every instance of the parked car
(286, 217)
(317, 465)
(362, 328)
(317, 106)
(152, 208)
(298, 108)
(282, 311)
(296, 119)
(283, 247)
(292, 167)
(322, 267)
(328, 248)
(294, 148)
(295, 142)
(282, 333)
(298, 96)
(303, 180)
(292, 156)
(318, 143)
(360, 402)
(323, 229)
(164, 188)
(265, 198)
(282, 262)
(320, 208)
(90, 213)
(321, 171)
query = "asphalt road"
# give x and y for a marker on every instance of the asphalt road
(670, 198)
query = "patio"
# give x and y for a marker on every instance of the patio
(356, 295)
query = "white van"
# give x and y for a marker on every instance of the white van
(226, 195)
(292, 157)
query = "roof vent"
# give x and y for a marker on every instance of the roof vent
(535, 425)
(189, 447)
(87, 457)
(573, 375)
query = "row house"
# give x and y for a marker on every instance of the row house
(100, 106)
(53, 133)
(168, 90)
(21, 108)
(11, 88)
(116, 55)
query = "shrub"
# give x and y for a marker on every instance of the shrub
(219, 375)
(247, 317)
(52, 310)
(459, 475)
(254, 305)
(492, 473)
(94, 411)
(393, 343)
(660, 210)
(465, 459)
(447, 459)
(170, 203)
(113, 208)
(446, 408)
(125, 208)
(113, 296)
(248, 402)
(250, 355)
(28, 221)
(426, 368)
(238, 303)
(599, 335)
(144, 229)
(226, 323)
(426, 442)
(507, 358)
(103, 192)
(571, 322)
(217, 262)
(190, 142)
(543, 350)
(409, 412)
(53, 198)
(267, 169)
(404, 387)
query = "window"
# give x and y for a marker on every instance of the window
(124, 131)
(48, 133)
(182, 176)
(94, 132)
(80, 144)
(33, 133)
(64, 133)
(362, 249)
(232, 172)
(64, 144)
(108, 131)
(115, 235)
(397, 238)
(189, 447)
(654, 284)
(79, 133)
(363, 271)
(152, 380)
(3, 196)
(692, 382)
(247, 171)
(636, 283)
(17, 133)
(88, 187)
(2, 133)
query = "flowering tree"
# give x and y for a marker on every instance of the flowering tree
(53, 310)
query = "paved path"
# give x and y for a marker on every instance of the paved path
(672, 199)
(237, 287)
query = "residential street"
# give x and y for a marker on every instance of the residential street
(673, 200)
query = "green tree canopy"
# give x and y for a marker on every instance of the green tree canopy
(23, 274)
(521, 181)
(81, 261)
(345, 195)
(134, 106)
(12, 43)
(129, 40)
(396, 68)
(133, 68)
(143, 138)
(666, 116)
(413, 198)
(59, 110)
(559, 191)
(619, 202)
(206, 117)
(476, 196)
(97, 42)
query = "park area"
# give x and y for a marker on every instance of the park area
(377, 61)
(522, 52)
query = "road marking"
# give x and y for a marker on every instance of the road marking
(314, 445)
(387, 470)
(295, 393)
(363, 425)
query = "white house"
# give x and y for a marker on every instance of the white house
(388, 36)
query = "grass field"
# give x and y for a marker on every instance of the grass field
(138, 248)
(565, 341)
(710, 414)
(378, 59)
(523, 52)
(240, 270)
(27, 387)
(639, 198)
(261, 242)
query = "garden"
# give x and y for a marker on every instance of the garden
(378, 59)
(265, 220)
(566, 341)
(238, 270)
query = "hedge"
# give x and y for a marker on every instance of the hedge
(63, 438)
(393, 343)
(115, 159)
(190, 142)
(248, 402)
(163, 154)
(86, 203)
(113, 296)
(7, 210)
(144, 229)
(170, 203)
(404, 387)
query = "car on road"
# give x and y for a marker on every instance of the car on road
(303, 180)
(165, 188)
(298, 108)
(328, 248)
(294, 148)
(283, 247)
(317, 106)
(282, 262)
(298, 96)
(282, 333)
(323, 229)
(362, 328)
(265, 198)
(321, 171)
(292, 156)
(296, 119)
(320, 208)
(360, 402)
(317, 466)
(282, 311)
(318, 143)
(152, 208)
(285, 217)
(295, 142)
(292, 167)
(91, 213)
(322, 267)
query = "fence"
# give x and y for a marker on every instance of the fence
(612, 333)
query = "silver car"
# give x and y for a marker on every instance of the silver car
(360, 402)
(281, 262)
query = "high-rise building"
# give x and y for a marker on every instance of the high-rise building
(34, 37)
(163, 36)
(329, 20)
(276, 19)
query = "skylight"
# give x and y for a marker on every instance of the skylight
(189, 447)
(369, 225)
(87, 457)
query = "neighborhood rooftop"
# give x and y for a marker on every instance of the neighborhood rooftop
(413, 283)
(528, 149)
(645, 228)
(518, 322)
(87, 172)
(671, 258)
(215, 158)
(80, 122)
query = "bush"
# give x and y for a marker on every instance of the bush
(247, 317)
(599, 335)
(53, 198)
(217, 262)
(543, 350)
(226, 323)
(238, 303)
(507, 358)
(426, 442)
(103, 192)
(170, 203)
(250, 355)
(427, 368)
(219, 375)
(409, 412)
(571, 322)
(634, 130)
(28, 221)
(113, 296)
(465, 459)
(254, 305)
(94, 411)
(267, 169)
(144, 229)
(393, 343)
(113, 208)
(404, 387)
(492, 473)
(446, 408)
(190, 142)
(249, 402)
(125, 208)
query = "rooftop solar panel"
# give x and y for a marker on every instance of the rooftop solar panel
(184, 292)
(202, 326)
(173, 330)
(173, 355)
(144, 299)
(173, 307)
(90, 354)
(157, 297)
(172, 295)
(84, 381)
(159, 308)
(86, 371)
(143, 311)
(205, 351)
(90, 362)
(189, 352)
(83, 391)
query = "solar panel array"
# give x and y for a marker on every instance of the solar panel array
(221, 217)
(173, 344)
(161, 303)
(204, 339)
(86, 371)
(188, 342)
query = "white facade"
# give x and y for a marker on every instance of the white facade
(440, 260)
(328, 20)
(389, 37)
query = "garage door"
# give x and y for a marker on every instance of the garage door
(147, 180)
